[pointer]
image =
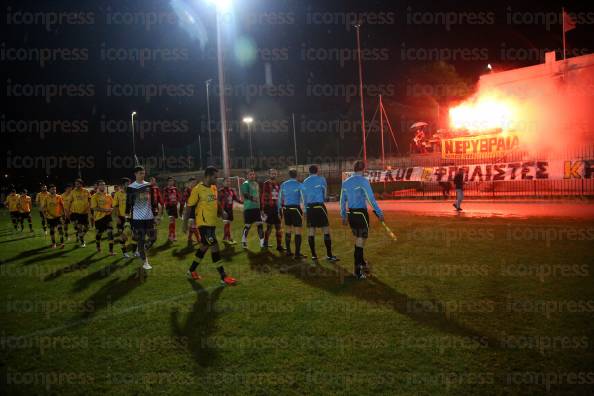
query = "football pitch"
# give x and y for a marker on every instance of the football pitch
(455, 306)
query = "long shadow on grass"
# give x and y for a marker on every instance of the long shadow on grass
(50, 256)
(82, 264)
(24, 255)
(104, 272)
(183, 252)
(112, 291)
(337, 280)
(162, 247)
(229, 251)
(17, 239)
(199, 324)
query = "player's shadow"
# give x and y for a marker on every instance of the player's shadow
(339, 281)
(17, 239)
(50, 256)
(24, 255)
(265, 261)
(229, 251)
(162, 247)
(199, 324)
(80, 265)
(183, 252)
(112, 291)
(104, 272)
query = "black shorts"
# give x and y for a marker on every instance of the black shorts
(53, 223)
(121, 222)
(359, 222)
(80, 218)
(317, 215)
(251, 216)
(143, 225)
(25, 215)
(171, 211)
(208, 235)
(65, 219)
(192, 214)
(293, 216)
(15, 215)
(272, 216)
(103, 224)
(228, 214)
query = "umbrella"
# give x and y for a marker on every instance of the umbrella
(418, 125)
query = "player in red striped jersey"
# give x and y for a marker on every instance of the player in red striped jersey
(171, 197)
(269, 206)
(226, 197)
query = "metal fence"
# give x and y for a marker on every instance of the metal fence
(496, 189)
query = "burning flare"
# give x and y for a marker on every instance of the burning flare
(489, 112)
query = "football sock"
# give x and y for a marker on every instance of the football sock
(297, 244)
(288, 241)
(328, 243)
(312, 245)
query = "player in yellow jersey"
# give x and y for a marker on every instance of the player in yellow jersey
(204, 197)
(39, 198)
(119, 204)
(25, 210)
(67, 198)
(79, 210)
(12, 203)
(53, 209)
(102, 206)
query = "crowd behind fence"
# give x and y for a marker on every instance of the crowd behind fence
(333, 172)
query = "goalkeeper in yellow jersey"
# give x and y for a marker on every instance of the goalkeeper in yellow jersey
(204, 197)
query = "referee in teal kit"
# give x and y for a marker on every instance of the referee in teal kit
(355, 193)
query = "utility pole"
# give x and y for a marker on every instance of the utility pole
(357, 27)
(209, 157)
(382, 132)
(294, 139)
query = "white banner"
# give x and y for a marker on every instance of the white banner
(524, 170)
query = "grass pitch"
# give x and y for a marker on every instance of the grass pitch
(456, 306)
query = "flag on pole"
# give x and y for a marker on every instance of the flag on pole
(568, 22)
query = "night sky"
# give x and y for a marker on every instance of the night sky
(281, 57)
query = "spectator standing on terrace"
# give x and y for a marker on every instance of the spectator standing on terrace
(459, 183)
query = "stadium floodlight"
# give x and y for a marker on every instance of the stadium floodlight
(222, 6)
(248, 120)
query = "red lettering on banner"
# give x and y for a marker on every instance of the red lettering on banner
(500, 172)
(526, 169)
(409, 172)
(475, 145)
(459, 147)
(514, 167)
(439, 172)
(541, 170)
(488, 173)
(449, 146)
(588, 169)
(478, 172)
(451, 172)
(484, 148)
(500, 144)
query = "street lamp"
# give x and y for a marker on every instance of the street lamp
(133, 142)
(248, 121)
(222, 6)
